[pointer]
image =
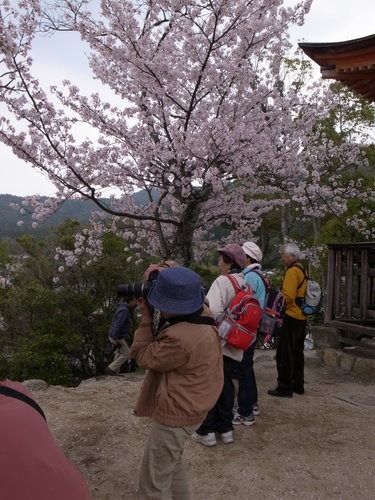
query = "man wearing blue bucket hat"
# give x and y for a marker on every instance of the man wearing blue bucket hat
(183, 380)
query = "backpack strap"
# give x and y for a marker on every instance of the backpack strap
(305, 276)
(12, 393)
(266, 282)
(235, 284)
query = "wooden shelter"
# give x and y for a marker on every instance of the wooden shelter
(350, 300)
(351, 62)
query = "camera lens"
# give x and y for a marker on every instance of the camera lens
(134, 290)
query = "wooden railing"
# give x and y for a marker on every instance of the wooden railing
(350, 300)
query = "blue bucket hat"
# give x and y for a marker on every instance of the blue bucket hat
(177, 290)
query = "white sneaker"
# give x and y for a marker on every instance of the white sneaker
(207, 440)
(256, 411)
(227, 437)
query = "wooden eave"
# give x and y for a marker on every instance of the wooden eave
(351, 62)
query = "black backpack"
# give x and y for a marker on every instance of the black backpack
(274, 310)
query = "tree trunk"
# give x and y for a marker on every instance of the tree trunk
(316, 228)
(183, 243)
(284, 222)
(182, 247)
(264, 238)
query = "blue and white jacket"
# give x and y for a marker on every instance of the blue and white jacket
(256, 283)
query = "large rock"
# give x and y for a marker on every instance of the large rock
(365, 369)
(347, 362)
(35, 384)
(331, 358)
(325, 336)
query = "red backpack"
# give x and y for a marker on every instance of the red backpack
(239, 326)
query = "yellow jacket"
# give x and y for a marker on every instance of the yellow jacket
(293, 279)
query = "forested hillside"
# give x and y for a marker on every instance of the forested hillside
(72, 209)
(79, 210)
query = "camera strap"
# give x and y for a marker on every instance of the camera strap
(196, 320)
(12, 393)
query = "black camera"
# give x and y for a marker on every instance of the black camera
(134, 290)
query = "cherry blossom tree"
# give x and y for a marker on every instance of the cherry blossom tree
(206, 119)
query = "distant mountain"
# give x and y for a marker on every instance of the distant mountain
(79, 210)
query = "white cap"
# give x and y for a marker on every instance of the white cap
(252, 250)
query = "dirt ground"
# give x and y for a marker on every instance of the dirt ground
(316, 446)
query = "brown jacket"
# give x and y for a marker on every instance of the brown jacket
(185, 372)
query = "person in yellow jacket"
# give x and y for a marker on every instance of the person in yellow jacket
(289, 355)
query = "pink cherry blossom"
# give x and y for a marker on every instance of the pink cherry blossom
(209, 120)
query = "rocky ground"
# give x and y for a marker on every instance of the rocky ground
(316, 446)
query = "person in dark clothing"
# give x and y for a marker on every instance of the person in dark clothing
(289, 354)
(119, 333)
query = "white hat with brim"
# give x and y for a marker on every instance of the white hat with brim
(252, 250)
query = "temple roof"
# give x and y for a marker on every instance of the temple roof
(351, 62)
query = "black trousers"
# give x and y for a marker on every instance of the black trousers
(219, 419)
(290, 360)
(247, 384)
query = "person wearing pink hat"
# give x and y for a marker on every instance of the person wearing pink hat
(232, 260)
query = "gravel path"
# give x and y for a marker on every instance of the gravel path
(316, 446)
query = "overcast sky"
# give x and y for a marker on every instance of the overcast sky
(55, 60)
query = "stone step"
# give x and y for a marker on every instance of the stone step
(350, 360)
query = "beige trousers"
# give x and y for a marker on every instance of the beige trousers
(121, 355)
(163, 475)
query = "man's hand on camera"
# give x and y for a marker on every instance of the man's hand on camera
(145, 309)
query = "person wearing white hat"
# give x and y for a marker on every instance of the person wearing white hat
(247, 386)
(252, 270)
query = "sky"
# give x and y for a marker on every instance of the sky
(62, 57)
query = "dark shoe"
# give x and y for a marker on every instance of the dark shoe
(239, 419)
(108, 371)
(299, 390)
(279, 394)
